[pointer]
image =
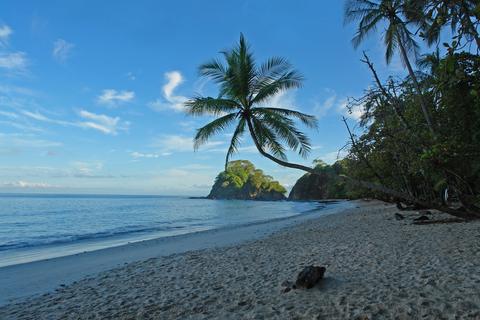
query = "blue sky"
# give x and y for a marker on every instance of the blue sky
(91, 92)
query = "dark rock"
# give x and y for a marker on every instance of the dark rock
(422, 218)
(324, 184)
(399, 216)
(309, 187)
(309, 277)
(286, 283)
(287, 289)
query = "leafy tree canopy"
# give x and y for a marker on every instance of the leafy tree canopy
(241, 180)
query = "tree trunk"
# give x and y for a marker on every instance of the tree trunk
(269, 156)
(390, 99)
(423, 105)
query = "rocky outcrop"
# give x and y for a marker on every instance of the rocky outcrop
(324, 185)
(242, 181)
(310, 187)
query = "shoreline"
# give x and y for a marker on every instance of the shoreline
(378, 267)
(24, 280)
(25, 252)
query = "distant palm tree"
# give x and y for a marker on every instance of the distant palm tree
(245, 92)
(371, 13)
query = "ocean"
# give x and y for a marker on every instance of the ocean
(34, 227)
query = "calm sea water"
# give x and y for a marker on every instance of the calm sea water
(39, 226)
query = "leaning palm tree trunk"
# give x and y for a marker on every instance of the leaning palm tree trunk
(365, 184)
(274, 159)
(244, 87)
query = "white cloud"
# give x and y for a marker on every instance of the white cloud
(174, 80)
(169, 143)
(62, 50)
(354, 113)
(112, 97)
(332, 157)
(138, 155)
(176, 143)
(334, 103)
(199, 85)
(25, 140)
(13, 61)
(322, 108)
(82, 169)
(187, 126)
(170, 101)
(28, 185)
(41, 117)
(76, 169)
(8, 114)
(283, 99)
(196, 166)
(5, 32)
(15, 120)
(102, 123)
(130, 75)
(9, 90)
(36, 115)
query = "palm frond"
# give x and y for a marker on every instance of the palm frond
(242, 85)
(211, 129)
(267, 89)
(308, 120)
(367, 26)
(210, 106)
(268, 140)
(408, 40)
(235, 141)
(273, 68)
(284, 128)
(357, 9)
(391, 42)
(214, 70)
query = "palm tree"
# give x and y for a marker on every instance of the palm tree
(371, 14)
(433, 15)
(245, 91)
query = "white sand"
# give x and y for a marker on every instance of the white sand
(377, 268)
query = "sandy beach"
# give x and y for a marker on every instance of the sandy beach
(378, 267)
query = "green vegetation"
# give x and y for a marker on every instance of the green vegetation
(419, 142)
(325, 184)
(241, 180)
(420, 135)
(244, 87)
